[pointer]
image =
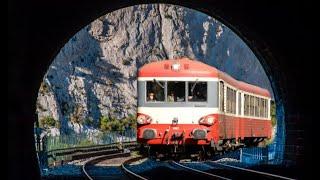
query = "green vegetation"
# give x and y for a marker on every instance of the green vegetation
(86, 142)
(273, 113)
(113, 124)
(47, 122)
(273, 121)
(105, 124)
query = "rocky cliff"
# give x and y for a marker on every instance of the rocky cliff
(94, 74)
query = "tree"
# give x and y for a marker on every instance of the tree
(132, 121)
(47, 122)
(105, 125)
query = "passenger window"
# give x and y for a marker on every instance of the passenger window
(155, 91)
(221, 96)
(176, 91)
(197, 91)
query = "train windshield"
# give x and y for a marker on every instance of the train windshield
(197, 91)
(155, 91)
(176, 91)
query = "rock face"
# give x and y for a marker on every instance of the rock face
(94, 74)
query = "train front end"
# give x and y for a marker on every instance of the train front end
(174, 106)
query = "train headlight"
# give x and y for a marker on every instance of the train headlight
(175, 66)
(207, 120)
(210, 120)
(143, 119)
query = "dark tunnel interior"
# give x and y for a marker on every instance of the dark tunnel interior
(280, 35)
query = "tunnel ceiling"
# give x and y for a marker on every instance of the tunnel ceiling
(279, 35)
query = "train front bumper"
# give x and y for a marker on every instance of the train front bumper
(174, 134)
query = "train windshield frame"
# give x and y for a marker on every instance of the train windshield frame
(177, 93)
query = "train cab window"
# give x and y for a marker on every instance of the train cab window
(197, 91)
(155, 91)
(176, 91)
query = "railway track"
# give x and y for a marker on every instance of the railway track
(88, 171)
(131, 173)
(261, 175)
(78, 153)
(168, 169)
(211, 175)
(126, 173)
(223, 171)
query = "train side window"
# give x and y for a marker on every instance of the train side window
(176, 91)
(155, 91)
(221, 96)
(231, 101)
(251, 106)
(239, 103)
(261, 107)
(246, 105)
(256, 106)
(197, 91)
(267, 109)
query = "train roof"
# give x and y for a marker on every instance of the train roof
(194, 68)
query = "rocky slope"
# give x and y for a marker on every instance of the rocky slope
(94, 74)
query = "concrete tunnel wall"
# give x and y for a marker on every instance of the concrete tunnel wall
(275, 33)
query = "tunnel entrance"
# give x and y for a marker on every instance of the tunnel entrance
(285, 92)
(90, 90)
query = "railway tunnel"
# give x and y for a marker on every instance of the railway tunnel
(39, 30)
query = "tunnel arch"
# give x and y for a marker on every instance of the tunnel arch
(271, 59)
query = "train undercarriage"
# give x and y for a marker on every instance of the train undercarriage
(198, 152)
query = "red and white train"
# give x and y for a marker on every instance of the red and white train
(185, 104)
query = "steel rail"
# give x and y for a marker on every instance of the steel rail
(92, 161)
(201, 172)
(252, 171)
(127, 171)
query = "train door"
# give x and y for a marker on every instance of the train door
(222, 109)
(238, 113)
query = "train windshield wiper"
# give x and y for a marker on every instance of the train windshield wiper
(194, 85)
(158, 83)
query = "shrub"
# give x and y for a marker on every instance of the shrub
(273, 113)
(105, 125)
(47, 122)
(113, 124)
(85, 142)
(88, 121)
(132, 122)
